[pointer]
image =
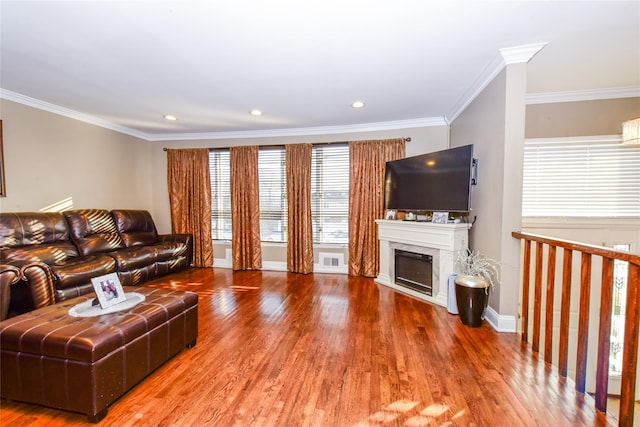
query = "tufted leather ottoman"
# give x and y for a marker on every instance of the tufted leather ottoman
(85, 364)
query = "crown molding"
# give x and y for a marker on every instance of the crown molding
(488, 74)
(583, 95)
(521, 54)
(510, 55)
(56, 109)
(323, 130)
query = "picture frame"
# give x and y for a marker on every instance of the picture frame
(108, 290)
(391, 214)
(440, 217)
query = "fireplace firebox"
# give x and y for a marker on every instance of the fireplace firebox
(414, 271)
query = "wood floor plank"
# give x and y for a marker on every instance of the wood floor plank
(282, 349)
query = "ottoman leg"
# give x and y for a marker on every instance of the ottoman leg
(191, 344)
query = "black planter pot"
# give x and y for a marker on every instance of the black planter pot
(472, 296)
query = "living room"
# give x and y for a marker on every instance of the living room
(59, 155)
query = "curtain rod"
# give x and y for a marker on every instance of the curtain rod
(406, 139)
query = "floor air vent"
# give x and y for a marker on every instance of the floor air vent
(331, 260)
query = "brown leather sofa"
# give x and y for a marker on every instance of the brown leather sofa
(81, 244)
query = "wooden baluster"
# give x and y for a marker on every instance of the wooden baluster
(583, 321)
(604, 335)
(526, 271)
(630, 346)
(563, 348)
(537, 299)
(548, 321)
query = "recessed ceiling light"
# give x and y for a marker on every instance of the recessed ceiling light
(358, 104)
(256, 112)
(170, 117)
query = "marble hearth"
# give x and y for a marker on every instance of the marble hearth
(441, 241)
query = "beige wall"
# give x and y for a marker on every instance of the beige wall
(49, 158)
(483, 125)
(584, 118)
(494, 122)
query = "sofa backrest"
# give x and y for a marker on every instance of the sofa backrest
(93, 231)
(35, 236)
(136, 227)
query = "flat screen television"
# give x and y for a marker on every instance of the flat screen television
(439, 181)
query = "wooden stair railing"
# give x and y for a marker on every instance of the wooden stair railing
(631, 323)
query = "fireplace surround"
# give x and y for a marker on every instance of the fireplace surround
(438, 241)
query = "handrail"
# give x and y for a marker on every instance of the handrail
(632, 313)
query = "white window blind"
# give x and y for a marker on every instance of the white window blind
(585, 177)
(330, 193)
(273, 194)
(219, 172)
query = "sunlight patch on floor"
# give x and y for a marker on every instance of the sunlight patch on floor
(405, 409)
(243, 288)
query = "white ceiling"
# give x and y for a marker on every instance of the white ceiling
(124, 64)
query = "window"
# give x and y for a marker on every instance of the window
(219, 172)
(273, 194)
(330, 193)
(620, 272)
(588, 176)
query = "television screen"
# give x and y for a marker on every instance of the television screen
(438, 181)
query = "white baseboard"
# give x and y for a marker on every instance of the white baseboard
(498, 322)
(282, 266)
(222, 263)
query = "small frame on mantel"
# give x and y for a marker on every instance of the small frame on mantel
(440, 217)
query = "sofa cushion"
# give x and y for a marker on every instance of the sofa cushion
(136, 227)
(169, 250)
(132, 258)
(51, 253)
(80, 271)
(93, 231)
(31, 228)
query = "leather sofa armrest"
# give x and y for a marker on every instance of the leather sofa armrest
(187, 239)
(40, 283)
(9, 275)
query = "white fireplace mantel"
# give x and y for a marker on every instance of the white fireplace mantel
(441, 241)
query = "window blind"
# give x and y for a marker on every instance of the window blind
(273, 194)
(585, 177)
(330, 193)
(219, 174)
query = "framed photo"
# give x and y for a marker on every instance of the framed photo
(391, 214)
(108, 290)
(440, 217)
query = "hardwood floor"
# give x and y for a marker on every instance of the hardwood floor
(279, 349)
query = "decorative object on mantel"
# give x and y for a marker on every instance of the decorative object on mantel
(631, 131)
(476, 274)
(88, 309)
